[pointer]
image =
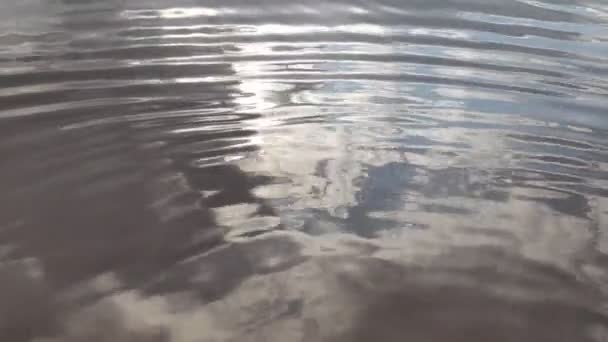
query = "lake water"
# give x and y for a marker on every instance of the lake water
(267, 170)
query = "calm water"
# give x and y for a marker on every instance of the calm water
(267, 170)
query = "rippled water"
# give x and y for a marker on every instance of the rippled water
(414, 170)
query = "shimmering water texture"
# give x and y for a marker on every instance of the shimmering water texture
(304, 171)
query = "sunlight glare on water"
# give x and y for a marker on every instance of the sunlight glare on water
(270, 170)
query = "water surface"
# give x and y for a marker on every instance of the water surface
(304, 170)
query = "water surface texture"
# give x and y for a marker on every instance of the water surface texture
(341, 171)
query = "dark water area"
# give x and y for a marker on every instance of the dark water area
(266, 170)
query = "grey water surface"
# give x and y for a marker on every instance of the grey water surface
(290, 170)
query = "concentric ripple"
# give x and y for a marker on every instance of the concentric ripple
(196, 153)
